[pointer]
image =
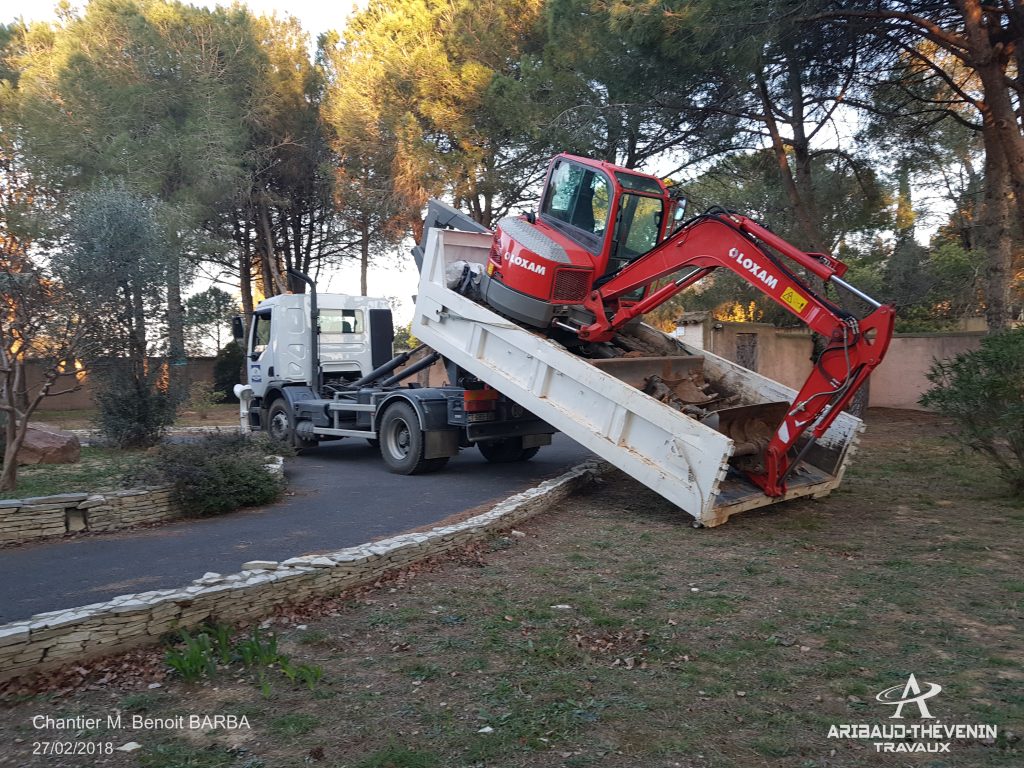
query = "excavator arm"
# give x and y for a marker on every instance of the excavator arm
(854, 347)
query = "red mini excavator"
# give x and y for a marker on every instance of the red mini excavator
(605, 248)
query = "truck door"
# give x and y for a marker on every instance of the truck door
(260, 352)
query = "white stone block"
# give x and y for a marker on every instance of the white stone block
(256, 565)
(13, 634)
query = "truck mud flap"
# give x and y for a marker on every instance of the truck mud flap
(440, 443)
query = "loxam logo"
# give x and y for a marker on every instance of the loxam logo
(749, 264)
(519, 261)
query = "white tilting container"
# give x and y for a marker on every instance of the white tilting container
(598, 404)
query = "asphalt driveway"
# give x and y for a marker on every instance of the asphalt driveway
(341, 495)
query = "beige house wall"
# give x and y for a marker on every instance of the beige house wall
(784, 354)
(197, 369)
(900, 380)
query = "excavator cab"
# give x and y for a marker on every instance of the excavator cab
(594, 219)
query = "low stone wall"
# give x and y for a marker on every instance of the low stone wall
(42, 516)
(50, 640)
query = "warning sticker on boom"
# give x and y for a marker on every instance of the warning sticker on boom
(794, 299)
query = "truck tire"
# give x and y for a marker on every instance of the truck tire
(402, 443)
(506, 451)
(281, 426)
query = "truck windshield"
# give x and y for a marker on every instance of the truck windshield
(338, 321)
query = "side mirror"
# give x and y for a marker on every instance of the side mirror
(237, 328)
(680, 211)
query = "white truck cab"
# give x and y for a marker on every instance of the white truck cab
(279, 342)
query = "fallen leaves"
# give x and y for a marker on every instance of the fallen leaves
(628, 646)
(127, 671)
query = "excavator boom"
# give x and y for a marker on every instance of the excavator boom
(854, 347)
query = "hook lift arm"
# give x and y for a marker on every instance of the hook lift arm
(721, 239)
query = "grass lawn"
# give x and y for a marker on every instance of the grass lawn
(101, 469)
(614, 634)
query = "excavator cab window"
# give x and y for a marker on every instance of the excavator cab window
(579, 197)
(638, 228)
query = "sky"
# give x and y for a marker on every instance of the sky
(316, 15)
(395, 275)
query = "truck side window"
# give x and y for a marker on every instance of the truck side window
(261, 332)
(334, 321)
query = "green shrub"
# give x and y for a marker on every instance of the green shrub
(227, 370)
(202, 396)
(195, 658)
(217, 473)
(983, 392)
(132, 411)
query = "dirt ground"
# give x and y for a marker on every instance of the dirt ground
(614, 634)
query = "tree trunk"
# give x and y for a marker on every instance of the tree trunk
(801, 210)
(998, 115)
(272, 276)
(9, 474)
(17, 428)
(175, 330)
(804, 177)
(245, 282)
(996, 235)
(364, 257)
(137, 333)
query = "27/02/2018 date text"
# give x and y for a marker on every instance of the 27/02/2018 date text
(72, 748)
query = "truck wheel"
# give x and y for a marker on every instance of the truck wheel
(281, 426)
(402, 444)
(506, 451)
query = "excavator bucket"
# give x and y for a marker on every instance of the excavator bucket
(680, 383)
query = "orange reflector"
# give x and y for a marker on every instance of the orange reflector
(477, 400)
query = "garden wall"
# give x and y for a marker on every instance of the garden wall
(50, 640)
(196, 369)
(42, 516)
(784, 354)
(900, 380)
